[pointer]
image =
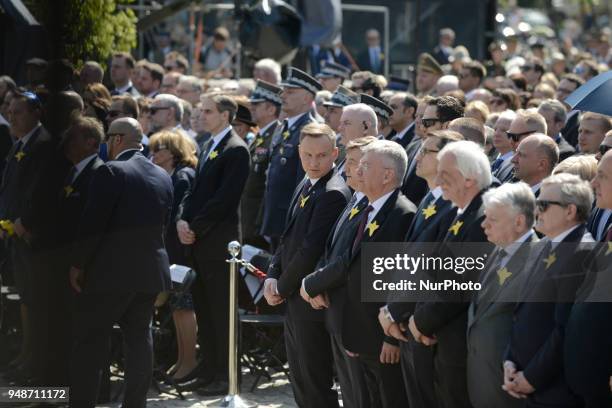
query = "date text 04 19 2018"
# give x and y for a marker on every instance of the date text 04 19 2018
(33, 394)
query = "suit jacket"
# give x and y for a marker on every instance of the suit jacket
(251, 205)
(361, 332)
(284, 174)
(594, 220)
(414, 187)
(72, 202)
(570, 130)
(120, 243)
(548, 294)
(489, 327)
(182, 180)
(322, 281)
(446, 319)
(303, 241)
(406, 139)
(211, 205)
(363, 60)
(439, 55)
(505, 172)
(22, 172)
(422, 233)
(565, 149)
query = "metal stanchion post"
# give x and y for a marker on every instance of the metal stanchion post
(233, 400)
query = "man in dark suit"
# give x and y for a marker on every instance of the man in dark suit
(404, 107)
(372, 58)
(430, 224)
(27, 157)
(358, 120)
(533, 363)
(385, 219)
(568, 84)
(122, 66)
(510, 213)
(502, 168)
(265, 108)
(126, 214)
(207, 220)
(316, 204)
(588, 338)
(535, 158)
(555, 114)
(444, 49)
(340, 240)
(463, 174)
(285, 171)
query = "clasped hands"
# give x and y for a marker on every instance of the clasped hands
(515, 382)
(318, 302)
(397, 330)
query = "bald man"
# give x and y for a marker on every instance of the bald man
(119, 265)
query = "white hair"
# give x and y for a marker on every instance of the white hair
(270, 65)
(516, 196)
(394, 156)
(194, 82)
(365, 113)
(174, 102)
(447, 83)
(472, 162)
(574, 190)
(508, 114)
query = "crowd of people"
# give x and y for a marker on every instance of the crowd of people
(106, 183)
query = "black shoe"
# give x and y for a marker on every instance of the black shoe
(214, 389)
(190, 376)
(194, 384)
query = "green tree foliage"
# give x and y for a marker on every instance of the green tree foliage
(90, 29)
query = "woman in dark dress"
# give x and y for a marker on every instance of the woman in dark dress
(175, 153)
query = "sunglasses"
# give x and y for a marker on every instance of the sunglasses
(516, 136)
(429, 122)
(526, 68)
(544, 204)
(603, 149)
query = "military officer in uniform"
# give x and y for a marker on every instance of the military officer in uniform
(383, 113)
(265, 109)
(285, 170)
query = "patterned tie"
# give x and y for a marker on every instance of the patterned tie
(361, 228)
(496, 164)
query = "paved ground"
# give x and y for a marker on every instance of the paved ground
(268, 394)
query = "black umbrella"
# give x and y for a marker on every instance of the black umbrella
(594, 96)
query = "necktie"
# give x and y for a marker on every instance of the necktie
(361, 228)
(70, 176)
(206, 152)
(496, 164)
(302, 198)
(344, 215)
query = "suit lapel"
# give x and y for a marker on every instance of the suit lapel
(373, 227)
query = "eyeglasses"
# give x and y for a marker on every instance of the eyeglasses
(423, 151)
(603, 149)
(516, 136)
(544, 204)
(429, 122)
(154, 109)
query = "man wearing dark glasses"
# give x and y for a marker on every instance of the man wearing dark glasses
(526, 123)
(440, 112)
